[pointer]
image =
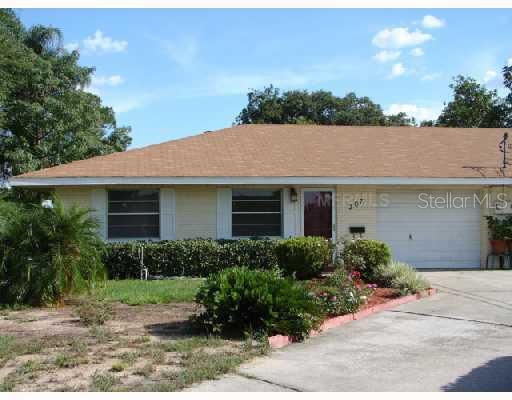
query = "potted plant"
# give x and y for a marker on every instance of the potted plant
(499, 230)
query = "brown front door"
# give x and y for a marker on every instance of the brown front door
(318, 213)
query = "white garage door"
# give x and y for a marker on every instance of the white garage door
(446, 237)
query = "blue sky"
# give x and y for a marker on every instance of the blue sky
(173, 73)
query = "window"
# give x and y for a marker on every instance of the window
(133, 214)
(256, 212)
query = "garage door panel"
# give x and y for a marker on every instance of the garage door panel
(440, 237)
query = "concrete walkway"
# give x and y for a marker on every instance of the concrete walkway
(458, 340)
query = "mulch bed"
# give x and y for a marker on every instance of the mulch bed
(380, 296)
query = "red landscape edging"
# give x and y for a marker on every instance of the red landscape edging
(279, 341)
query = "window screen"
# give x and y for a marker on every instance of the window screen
(256, 212)
(133, 214)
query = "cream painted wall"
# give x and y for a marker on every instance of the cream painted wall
(355, 206)
(196, 209)
(196, 212)
(78, 196)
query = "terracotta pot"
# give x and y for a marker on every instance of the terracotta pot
(499, 246)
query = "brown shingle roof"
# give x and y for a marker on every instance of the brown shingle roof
(303, 151)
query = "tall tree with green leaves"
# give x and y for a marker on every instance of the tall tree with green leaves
(46, 116)
(271, 106)
(474, 106)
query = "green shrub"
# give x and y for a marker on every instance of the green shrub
(303, 257)
(401, 276)
(93, 312)
(366, 256)
(239, 300)
(339, 294)
(191, 257)
(46, 254)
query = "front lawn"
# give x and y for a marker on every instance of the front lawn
(146, 344)
(135, 292)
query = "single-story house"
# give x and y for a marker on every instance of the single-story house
(401, 185)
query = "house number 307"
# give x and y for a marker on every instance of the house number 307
(356, 204)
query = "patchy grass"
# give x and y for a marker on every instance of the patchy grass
(66, 360)
(103, 382)
(147, 347)
(135, 292)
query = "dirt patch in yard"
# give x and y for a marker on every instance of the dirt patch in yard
(144, 347)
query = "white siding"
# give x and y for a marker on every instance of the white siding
(224, 218)
(99, 210)
(167, 214)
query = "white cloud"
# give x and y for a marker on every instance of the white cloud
(490, 75)
(397, 70)
(431, 22)
(417, 52)
(113, 80)
(72, 46)
(509, 62)
(183, 52)
(413, 110)
(430, 77)
(104, 44)
(387, 55)
(396, 38)
(127, 104)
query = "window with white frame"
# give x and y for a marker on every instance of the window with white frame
(134, 214)
(256, 212)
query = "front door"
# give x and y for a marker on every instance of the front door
(318, 213)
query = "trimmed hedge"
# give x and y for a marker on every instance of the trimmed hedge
(189, 257)
(303, 257)
(370, 254)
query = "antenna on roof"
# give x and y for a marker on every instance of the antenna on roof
(503, 146)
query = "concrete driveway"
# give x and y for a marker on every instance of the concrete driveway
(458, 340)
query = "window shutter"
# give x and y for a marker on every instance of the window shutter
(223, 213)
(290, 215)
(167, 214)
(99, 210)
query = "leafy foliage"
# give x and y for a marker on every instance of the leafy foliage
(401, 276)
(46, 116)
(271, 106)
(239, 301)
(341, 293)
(475, 106)
(303, 257)
(93, 312)
(500, 228)
(193, 257)
(372, 253)
(46, 254)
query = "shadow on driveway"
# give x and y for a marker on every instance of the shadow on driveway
(493, 376)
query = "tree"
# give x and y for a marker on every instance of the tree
(47, 253)
(46, 116)
(271, 106)
(473, 106)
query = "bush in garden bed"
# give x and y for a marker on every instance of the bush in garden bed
(303, 257)
(341, 293)
(190, 257)
(365, 256)
(401, 276)
(239, 301)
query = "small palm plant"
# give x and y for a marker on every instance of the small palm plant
(47, 254)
